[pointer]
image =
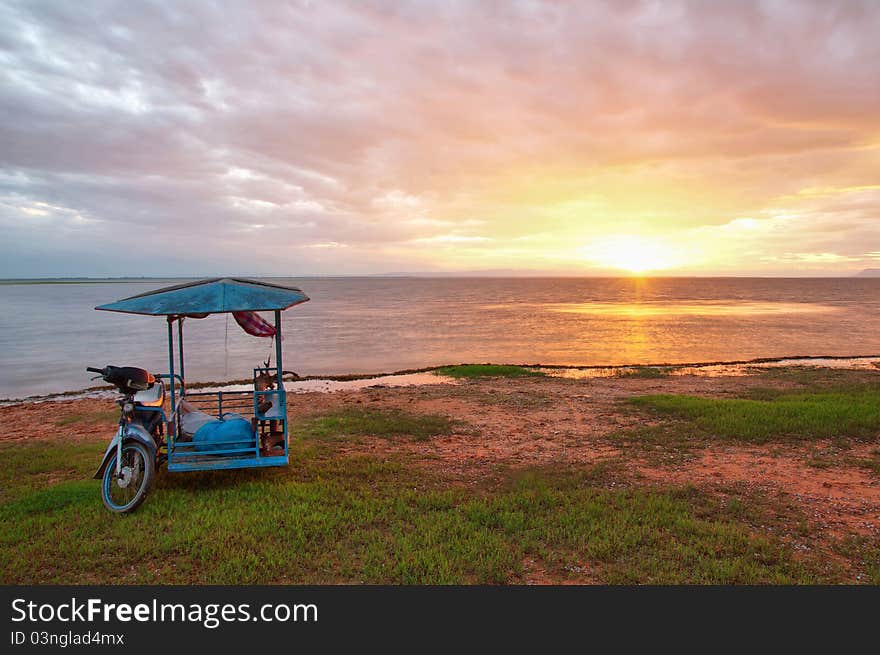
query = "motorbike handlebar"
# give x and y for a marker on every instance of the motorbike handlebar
(91, 369)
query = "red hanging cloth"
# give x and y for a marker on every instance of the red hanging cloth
(254, 324)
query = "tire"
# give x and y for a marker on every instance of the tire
(139, 469)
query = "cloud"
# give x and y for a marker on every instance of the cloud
(280, 128)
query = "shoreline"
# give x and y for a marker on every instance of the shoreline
(553, 370)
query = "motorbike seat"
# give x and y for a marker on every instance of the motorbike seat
(152, 397)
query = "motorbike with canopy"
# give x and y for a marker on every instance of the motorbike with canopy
(200, 430)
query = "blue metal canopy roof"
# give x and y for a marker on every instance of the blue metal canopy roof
(212, 296)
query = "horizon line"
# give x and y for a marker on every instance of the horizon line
(451, 274)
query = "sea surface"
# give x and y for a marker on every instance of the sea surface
(49, 333)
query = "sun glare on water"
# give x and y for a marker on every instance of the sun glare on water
(634, 254)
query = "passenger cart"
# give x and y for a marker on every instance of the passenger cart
(201, 431)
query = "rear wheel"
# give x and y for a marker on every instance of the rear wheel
(124, 492)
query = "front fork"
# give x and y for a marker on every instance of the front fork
(124, 420)
(119, 434)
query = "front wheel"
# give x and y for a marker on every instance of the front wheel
(124, 492)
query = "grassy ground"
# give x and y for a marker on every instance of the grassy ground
(348, 423)
(812, 407)
(487, 370)
(644, 372)
(853, 412)
(337, 517)
(88, 417)
(332, 519)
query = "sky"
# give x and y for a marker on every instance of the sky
(336, 138)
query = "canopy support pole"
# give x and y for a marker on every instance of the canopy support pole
(180, 345)
(278, 346)
(280, 364)
(172, 431)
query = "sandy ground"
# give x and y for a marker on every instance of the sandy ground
(522, 422)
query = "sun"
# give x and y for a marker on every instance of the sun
(636, 254)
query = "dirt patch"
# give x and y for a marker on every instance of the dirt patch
(841, 501)
(68, 420)
(535, 572)
(573, 426)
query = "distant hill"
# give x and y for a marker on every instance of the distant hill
(869, 272)
(495, 272)
(510, 272)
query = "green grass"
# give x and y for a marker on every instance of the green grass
(103, 416)
(872, 465)
(852, 413)
(328, 518)
(34, 464)
(659, 445)
(487, 370)
(645, 372)
(864, 552)
(373, 422)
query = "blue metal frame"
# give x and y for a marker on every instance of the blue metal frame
(198, 299)
(230, 463)
(184, 456)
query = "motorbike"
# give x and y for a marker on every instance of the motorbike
(129, 465)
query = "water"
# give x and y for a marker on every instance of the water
(50, 332)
